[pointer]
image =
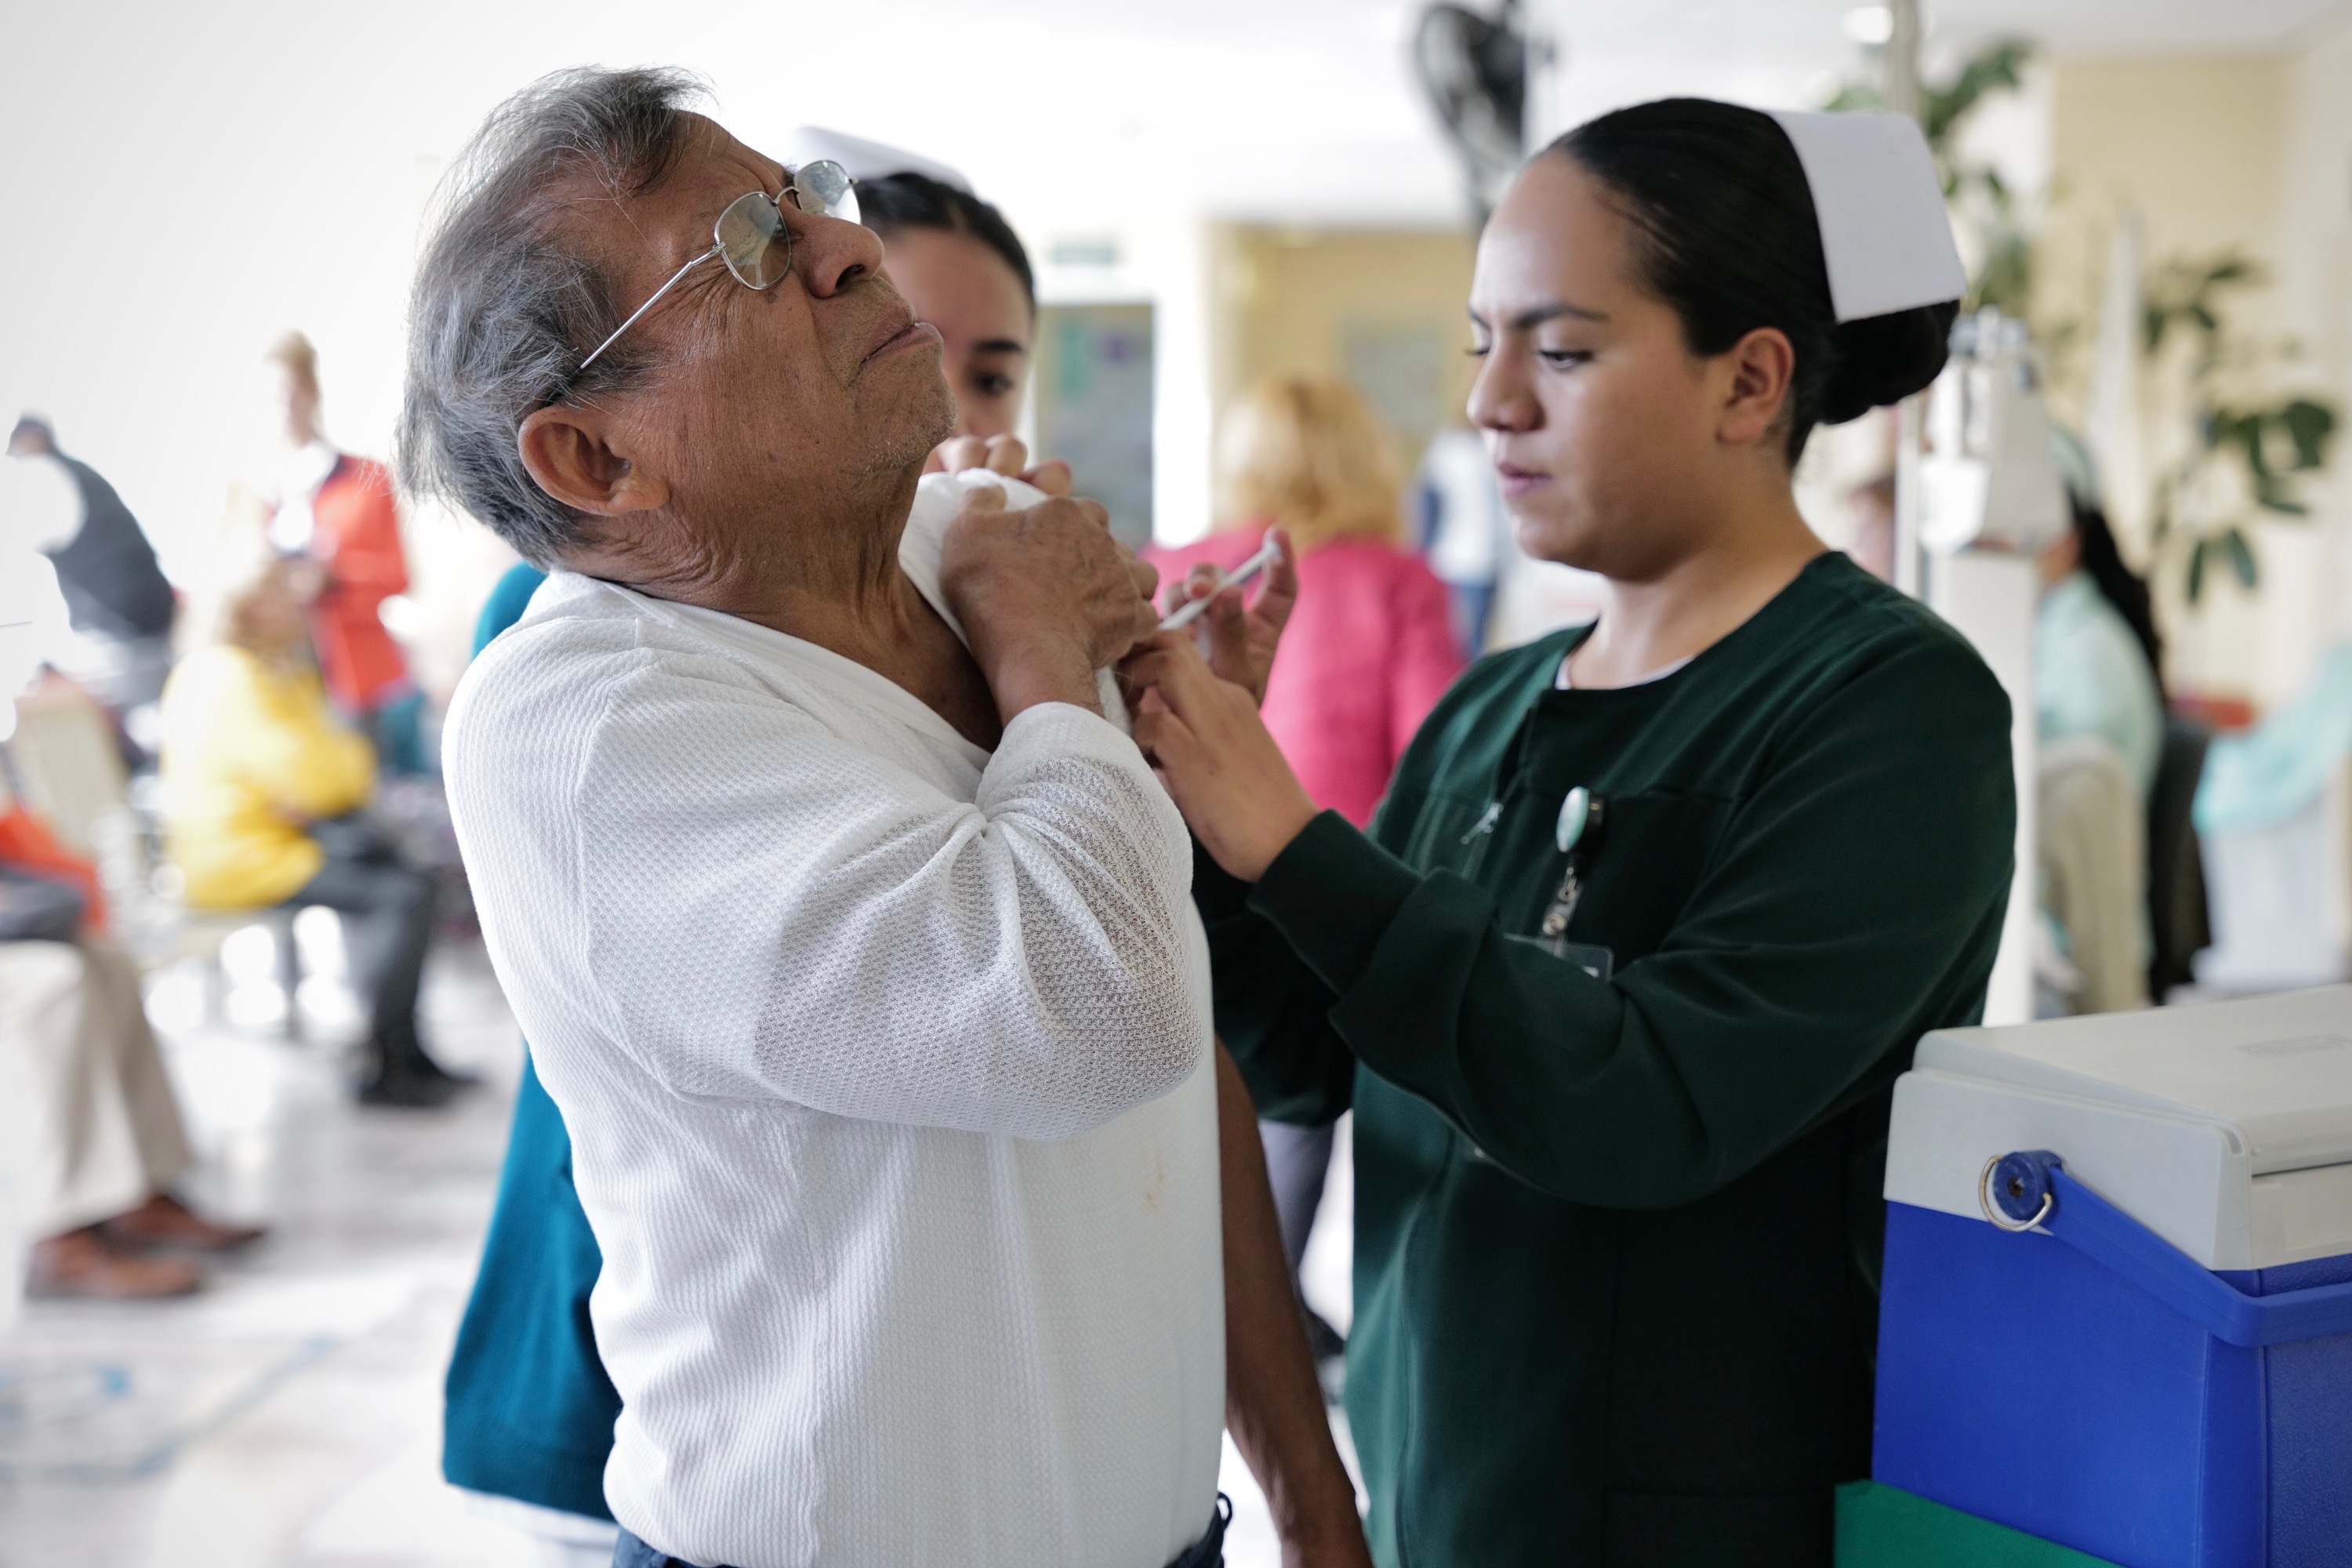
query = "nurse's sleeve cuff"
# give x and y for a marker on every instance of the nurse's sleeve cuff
(1333, 893)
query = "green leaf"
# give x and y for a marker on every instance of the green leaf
(2198, 314)
(2197, 570)
(2158, 320)
(2308, 424)
(1996, 66)
(2246, 431)
(2241, 556)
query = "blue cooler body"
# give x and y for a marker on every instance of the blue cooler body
(2135, 1337)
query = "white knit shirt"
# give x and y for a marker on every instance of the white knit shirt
(884, 1062)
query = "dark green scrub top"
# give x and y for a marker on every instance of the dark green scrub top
(1616, 1241)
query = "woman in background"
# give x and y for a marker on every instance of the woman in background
(2098, 703)
(1369, 648)
(263, 788)
(2098, 660)
(1368, 651)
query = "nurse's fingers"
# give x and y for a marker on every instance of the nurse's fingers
(958, 453)
(1168, 745)
(1168, 662)
(1277, 593)
(1052, 476)
(1006, 455)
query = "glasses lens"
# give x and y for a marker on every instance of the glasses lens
(753, 241)
(825, 186)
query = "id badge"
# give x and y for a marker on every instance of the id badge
(1590, 956)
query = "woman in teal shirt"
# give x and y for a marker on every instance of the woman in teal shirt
(1619, 981)
(2097, 652)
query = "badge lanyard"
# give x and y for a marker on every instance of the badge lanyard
(1577, 833)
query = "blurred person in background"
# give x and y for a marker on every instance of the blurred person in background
(1465, 531)
(121, 603)
(86, 1108)
(2098, 699)
(1368, 649)
(528, 1408)
(263, 795)
(2098, 656)
(337, 512)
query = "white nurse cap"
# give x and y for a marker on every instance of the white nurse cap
(866, 160)
(1884, 233)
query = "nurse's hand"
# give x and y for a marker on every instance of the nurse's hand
(1006, 455)
(1243, 636)
(1204, 736)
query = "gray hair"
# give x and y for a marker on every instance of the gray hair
(509, 299)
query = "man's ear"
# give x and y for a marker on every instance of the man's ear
(580, 460)
(1762, 363)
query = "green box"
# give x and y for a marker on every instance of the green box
(1881, 1526)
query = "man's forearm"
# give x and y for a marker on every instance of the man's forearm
(1274, 1406)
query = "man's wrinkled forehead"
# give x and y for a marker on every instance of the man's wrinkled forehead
(672, 217)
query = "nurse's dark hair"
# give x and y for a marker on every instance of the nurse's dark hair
(897, 202)
(1725, 232)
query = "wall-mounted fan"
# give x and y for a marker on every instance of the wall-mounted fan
(1476, 71)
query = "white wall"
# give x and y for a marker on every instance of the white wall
(187, 182)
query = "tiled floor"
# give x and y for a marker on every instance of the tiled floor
(290, 1415)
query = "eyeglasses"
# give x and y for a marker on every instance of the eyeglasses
(750, 237)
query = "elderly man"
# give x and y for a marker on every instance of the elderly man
(860, 962)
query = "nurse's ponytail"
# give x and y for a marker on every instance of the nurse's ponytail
(1727, 235)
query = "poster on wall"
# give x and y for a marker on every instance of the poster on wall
(1094, 406)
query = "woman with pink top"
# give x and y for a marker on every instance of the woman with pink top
(1368, 651)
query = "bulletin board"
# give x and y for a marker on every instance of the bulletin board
(1094, 406)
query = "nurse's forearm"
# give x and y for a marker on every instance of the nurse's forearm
(1274, 1406)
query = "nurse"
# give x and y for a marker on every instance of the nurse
(1656, 909)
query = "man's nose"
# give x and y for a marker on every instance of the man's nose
(833, 253)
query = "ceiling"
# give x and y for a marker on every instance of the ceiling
(187, 181)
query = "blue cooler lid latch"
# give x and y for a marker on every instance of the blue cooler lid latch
(2031, 1190)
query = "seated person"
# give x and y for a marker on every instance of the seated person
(2098, 703)
(263, 795)
(2097, 656)
(90, 1118)
(860, 962)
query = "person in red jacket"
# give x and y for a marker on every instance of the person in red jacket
(337, 511)
(1367, 653)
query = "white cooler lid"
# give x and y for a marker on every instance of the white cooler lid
(2226, 1127)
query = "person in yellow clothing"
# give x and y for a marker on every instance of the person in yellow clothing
(263, 791)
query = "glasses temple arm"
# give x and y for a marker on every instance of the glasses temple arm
(648, 305)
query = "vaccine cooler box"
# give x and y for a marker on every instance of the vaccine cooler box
(2118, 1301)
